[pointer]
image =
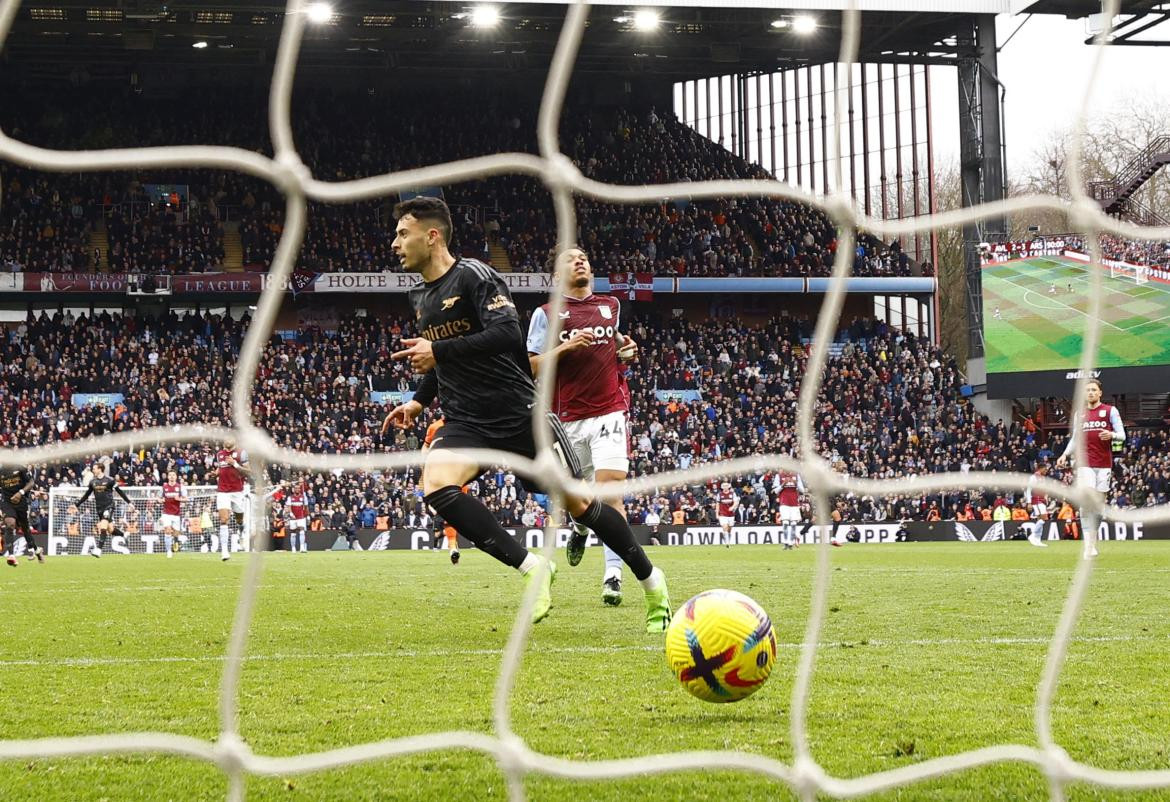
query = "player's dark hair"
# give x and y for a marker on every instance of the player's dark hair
(550, 264)
(1097, 382)
(428, 210)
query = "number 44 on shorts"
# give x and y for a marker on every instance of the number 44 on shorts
(618, 430)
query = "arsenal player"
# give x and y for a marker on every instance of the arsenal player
(471, 358)
(591, 398)
(171, 521)
(230, 497)
(1099, 424)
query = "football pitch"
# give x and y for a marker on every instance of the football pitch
(1042, 329)
(927, 650)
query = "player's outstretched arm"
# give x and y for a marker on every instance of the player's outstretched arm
(420, 352)
(402, 416)
(497, 314)
(1070, 450)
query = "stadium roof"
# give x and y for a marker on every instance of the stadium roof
(184, 41)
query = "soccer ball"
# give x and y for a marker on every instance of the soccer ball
(721, 646)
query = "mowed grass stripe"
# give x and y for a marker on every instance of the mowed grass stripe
(1045, 331)
(927, 650)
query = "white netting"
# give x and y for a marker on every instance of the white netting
(73, 527)
(1140, 274)
(562, 178)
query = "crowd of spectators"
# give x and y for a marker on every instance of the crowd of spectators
(1137, 252)
(164, 239)
(890, 407)
(44, 222)
(719, 237)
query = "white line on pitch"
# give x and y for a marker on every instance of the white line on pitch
(1066, 306)
(424, 653)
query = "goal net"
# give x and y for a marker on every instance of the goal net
(519, 760)
(138, 527)
(1139, 274)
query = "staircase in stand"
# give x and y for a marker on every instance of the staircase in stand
(499, 256)
(1138, 213)
(99, 241)
(1113, 194)
(233, 250)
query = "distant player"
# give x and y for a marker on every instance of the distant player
(471, 356)
(171, 521)
(726, 503)
(1038, 506)
(1052, 289)
(998, 316)
(296, 501)
(1099, 425)
(103, 488)
(1070, 289)
(15, 485)
(791, 489)
(230, 498)
(588, 398)
(444, 532)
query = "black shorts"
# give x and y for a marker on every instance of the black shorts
(18, 511)
(456, 435)
(523, 443)
(105, 513)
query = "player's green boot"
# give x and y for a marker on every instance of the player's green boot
(657, 603)
(575, 545)
(544, 594)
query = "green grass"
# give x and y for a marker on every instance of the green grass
(1042, 330)
(928, 650)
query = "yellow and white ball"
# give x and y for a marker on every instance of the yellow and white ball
(720, 646)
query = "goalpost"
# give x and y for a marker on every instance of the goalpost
(1139, 273)
(73, 529)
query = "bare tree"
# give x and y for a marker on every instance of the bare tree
(1112, 141)
(952, 282)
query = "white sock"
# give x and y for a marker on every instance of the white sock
(612, 573)
(613, 562)
(654, 581)
(530, 562)
(225, 541)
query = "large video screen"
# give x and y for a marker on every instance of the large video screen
(1035, 316)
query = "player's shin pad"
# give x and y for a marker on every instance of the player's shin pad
(562, 447)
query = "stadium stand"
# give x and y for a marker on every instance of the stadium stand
(890, 390)
(722, 237)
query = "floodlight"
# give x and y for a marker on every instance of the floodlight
(804, 24)
(485, 16)
(645, 20)
(319, 12)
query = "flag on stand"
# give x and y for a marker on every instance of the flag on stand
(632, 286)
(302, 279)
(642, 288)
